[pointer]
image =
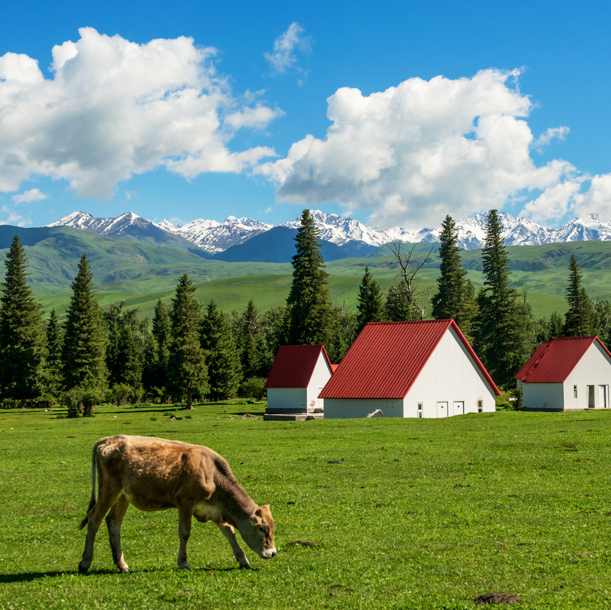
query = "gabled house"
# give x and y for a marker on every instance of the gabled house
(568, 373)
(298, 375)
(410, 369)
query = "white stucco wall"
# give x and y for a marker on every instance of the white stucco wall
(594, 368)
(347, 408)
(286, 398)
(449, 376)
(543, 396)
(319, 379)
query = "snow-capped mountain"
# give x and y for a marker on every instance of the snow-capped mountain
(213, 236)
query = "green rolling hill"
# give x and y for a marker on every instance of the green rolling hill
(140, 273)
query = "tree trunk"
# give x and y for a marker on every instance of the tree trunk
(189, 402)
(23, 403)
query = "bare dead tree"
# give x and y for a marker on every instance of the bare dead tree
(419, 300)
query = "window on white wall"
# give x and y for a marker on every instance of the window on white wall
(574, 391)
(480, 406)
(419, 409)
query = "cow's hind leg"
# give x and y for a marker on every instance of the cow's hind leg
(184, 531)
(114, 520)
(229, 533)
(94, 518)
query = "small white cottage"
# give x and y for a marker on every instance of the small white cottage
(565, 374)
(298, 375)
(410, 369)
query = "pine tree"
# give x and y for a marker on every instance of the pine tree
(398, 306)
(22, 340)
(310, 321)
(224, 369)
(55, 366)
(503, 338)
(187, 371)
(336, 348)
(85, 337)
(157, 351)
(578, 319)
(455, 297)
(371, 305)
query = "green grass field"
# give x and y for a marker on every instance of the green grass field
(420, 514)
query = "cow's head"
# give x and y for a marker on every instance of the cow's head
(259, 532)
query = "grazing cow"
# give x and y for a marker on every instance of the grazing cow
(156, 474)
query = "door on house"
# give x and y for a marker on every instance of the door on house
(459, 408)
(442, 409)
(591, 397)
(602, 396)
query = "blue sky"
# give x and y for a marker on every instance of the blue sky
(458, 145)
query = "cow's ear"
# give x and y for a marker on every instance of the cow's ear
(254, 519)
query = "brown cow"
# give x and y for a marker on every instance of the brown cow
(156, 474)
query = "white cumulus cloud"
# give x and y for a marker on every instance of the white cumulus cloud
(114, 108)
(286, 47)
(13, 218)
(29, 196)
(423, 149)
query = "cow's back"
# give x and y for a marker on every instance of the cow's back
(155, 473)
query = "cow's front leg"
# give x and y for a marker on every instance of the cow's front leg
(184, 531)
(114, 520)
(229, 533)
(94, 518)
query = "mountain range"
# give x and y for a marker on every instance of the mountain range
(213, 239)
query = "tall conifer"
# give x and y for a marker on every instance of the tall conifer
(187, 373)
(22, 339)
(224, 369)
(455, 296)
(54, 377)
(578, 319)
(310, 319)
(503, 340)
(371, 304)
(85, 337)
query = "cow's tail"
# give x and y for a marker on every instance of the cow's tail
(92, 502)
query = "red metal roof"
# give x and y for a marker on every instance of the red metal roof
(334, 367)
(387, 357)
(294, 365)
(555, 359)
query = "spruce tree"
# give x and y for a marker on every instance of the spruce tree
(22, 340)
(371, 306)
(310, 320)
(578, 320)
(398, 306)
(187, 371)
(54, 379)
(85, 337)
(157, 353)
(455, 296)
(503, 340)
(224, 369)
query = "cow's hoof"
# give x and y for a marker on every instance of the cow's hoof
(184, 566)
(82, 569)
(124, 569)
(244, 563)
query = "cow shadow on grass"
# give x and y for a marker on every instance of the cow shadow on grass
(31, 576)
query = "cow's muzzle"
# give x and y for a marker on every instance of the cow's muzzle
(269, 553)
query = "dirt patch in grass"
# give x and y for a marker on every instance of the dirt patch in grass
(496, 598)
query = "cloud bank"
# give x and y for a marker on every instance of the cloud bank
(424, 149)
(114, 108)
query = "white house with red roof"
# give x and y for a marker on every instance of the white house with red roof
(410, 369)
(568, 373)
(298, 375)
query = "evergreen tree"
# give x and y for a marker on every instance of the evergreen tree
(503, 341)
(336, 348)
(224, 369)
(85, 337)
(555, 325)
(398, 306)
(310, 321)
(187, 372)
(455, 297)
(578, 320)
(22, 340)
(54, 379)
(157, 350)
(371, 305)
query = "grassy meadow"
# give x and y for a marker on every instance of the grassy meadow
(419, 514)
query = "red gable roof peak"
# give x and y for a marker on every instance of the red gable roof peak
(387, 357)
(294, 365)
(554, 360)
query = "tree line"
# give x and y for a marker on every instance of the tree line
(188, 352)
